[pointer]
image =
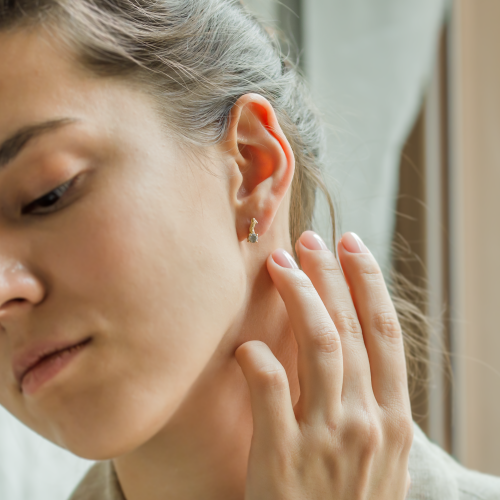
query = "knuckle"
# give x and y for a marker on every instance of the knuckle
(301, 282)
(271, 377)
(370, 271)
(367, 432)
(387, 324)
(325, 338)
(373, 437)
(330, 272)
(401, 431)
(327, 264)
(332, 425)
(347, 322)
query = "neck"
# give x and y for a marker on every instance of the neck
(203, 450)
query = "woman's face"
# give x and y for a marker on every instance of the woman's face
(139, 260)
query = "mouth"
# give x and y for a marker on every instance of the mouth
(46, 365)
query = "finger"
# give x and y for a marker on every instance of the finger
(319, 360)
(272, 408)
(408, 483)
(325, 273)
(378, 318)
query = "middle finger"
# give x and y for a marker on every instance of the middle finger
(319, 361)
(324, 271)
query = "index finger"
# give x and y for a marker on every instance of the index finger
(320, 363)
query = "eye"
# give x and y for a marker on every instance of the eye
(49, 201)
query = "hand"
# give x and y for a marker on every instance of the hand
(350, 434)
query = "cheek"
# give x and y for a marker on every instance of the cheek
(159, 289)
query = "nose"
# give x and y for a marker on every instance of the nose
(19, 289)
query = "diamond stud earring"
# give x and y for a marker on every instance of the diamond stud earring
(252, 237)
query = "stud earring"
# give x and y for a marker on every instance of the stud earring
(252, 237)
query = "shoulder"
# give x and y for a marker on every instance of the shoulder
(100, 483)
(436, 475)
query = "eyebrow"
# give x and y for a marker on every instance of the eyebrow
(12, 146)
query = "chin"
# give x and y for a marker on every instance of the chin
(104, 439)
(103, 428)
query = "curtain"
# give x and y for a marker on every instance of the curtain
(368, 63)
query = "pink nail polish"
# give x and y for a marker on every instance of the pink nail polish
(353, 243)
(312, 241)
(284, 259)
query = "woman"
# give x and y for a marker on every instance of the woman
(159, 163)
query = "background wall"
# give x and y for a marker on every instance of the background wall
(476, 145)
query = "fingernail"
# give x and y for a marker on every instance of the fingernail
(353, 243)
(284, 259)
(312, 241)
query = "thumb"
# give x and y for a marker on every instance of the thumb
(272, 408)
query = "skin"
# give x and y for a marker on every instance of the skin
(192, 328)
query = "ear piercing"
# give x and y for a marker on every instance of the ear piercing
(252, 237)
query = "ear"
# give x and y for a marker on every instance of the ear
(264, 158)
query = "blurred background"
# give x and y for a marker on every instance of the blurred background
(410, 94)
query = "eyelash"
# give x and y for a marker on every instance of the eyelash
(59, 192)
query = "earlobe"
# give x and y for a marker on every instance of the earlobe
(264, 159)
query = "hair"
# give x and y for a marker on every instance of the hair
(196, 58)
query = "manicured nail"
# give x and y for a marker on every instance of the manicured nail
(312, 241)
(284, 259)
(353, 243)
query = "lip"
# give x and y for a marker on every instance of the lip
(43, 360)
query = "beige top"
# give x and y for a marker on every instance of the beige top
(435, 476)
